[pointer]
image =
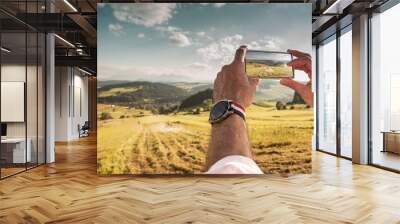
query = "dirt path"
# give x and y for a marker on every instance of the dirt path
(166, 147)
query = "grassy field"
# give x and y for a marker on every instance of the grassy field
(117, 91)
(260, 70)
(138, 142)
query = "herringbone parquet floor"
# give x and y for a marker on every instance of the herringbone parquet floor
(70, 191)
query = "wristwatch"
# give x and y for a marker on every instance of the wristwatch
(223, 109)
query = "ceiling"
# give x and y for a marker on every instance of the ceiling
(75, 22)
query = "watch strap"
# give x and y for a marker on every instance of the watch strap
(238, 109)
(232, 108)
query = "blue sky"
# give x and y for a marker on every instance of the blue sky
(190, 42)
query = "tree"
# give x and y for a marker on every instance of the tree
(105, 116)
(196, 111)
(297, 99)
(280, 105)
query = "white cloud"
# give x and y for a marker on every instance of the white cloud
(116, 29)
(216, 5)
(201, 37)
(266, 43)
(146, 14)
(141, 35)
(222, 51)
(212, 57)
(176, 36)
(167, 28)
(179, 39)
(101, 5)
(193, 72)
(152, 15)
(219, 5)
(198, 65)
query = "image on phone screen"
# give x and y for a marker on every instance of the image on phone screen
(268, 64)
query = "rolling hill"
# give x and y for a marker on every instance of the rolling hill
(167, 97)
(200, 99)
(141, 93)
(101, 83)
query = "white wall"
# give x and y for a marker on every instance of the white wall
(80, 104)
(71, 103)
(16, 73)
(33, 126)
(13, 100)
(62, 81)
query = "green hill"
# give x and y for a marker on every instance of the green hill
(139, 94)
(201, 99)
(102, 83)
(168, 97)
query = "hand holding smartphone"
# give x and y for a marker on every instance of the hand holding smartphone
(268, 64)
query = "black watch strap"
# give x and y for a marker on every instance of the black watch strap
(223, 109)
(239, 113)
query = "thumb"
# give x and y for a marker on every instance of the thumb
(240, 54)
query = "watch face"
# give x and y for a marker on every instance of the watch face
(219, 110)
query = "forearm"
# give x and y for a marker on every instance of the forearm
(228, 138)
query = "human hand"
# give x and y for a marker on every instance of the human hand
(232, 82)
(303, 63)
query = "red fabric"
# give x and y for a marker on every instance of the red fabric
(238, 105)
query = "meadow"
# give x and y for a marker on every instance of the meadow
(262, 70)
(135, 141)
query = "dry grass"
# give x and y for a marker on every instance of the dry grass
(261, 70)
(144, 143)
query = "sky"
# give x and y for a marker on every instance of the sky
(192, 41)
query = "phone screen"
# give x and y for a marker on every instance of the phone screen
(268, 64)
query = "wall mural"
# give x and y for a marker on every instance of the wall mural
(156, 67)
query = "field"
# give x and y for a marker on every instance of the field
(260, 70)
(133, 141)
(118, 91)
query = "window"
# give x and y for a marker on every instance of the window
(385, 89)
(346, 93)
(327, 96)
(22, 78)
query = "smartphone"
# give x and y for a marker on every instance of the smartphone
(268, 64)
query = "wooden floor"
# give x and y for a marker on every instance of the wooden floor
(387, 159)
(70, 191)
(5, 172)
